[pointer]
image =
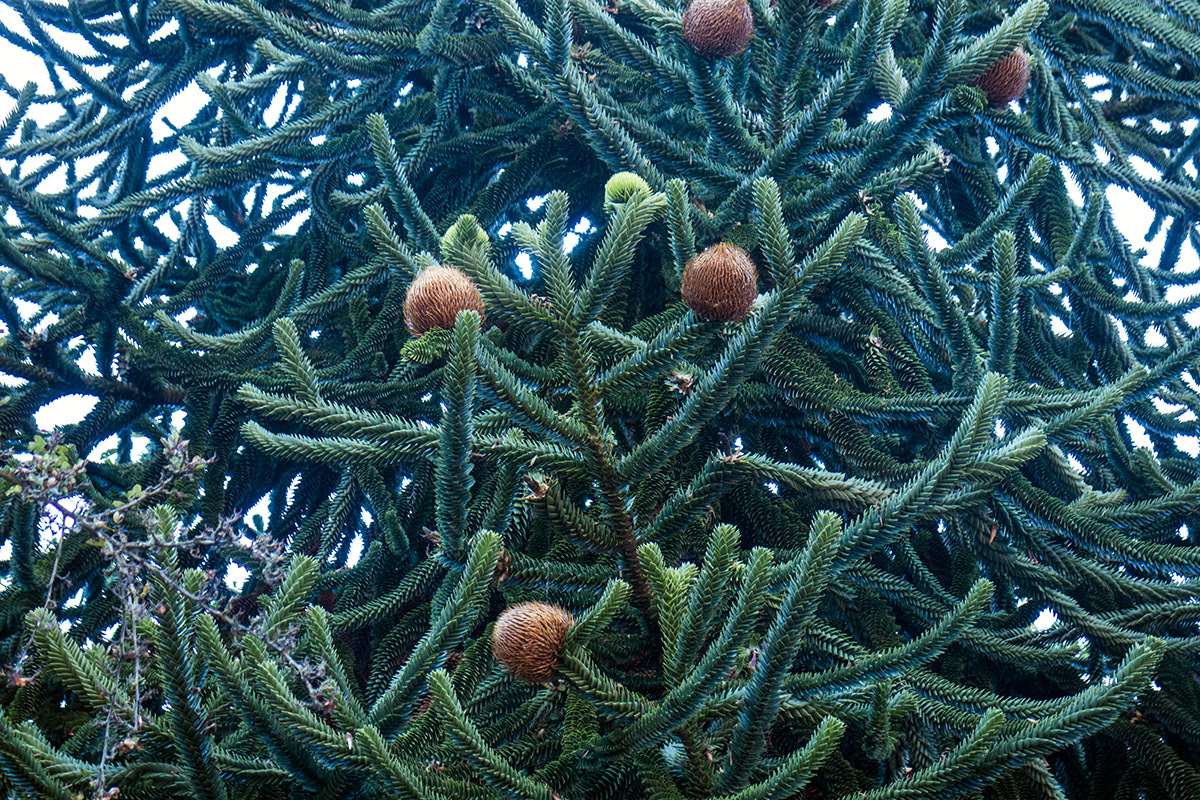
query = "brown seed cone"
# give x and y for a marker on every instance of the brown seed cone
(527, 638)
(436, 296)
(718, 28)
(720, 284)
(1007, 79)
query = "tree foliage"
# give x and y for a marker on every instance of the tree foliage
(804, 551)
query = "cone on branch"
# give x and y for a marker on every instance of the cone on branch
(436, 296)
(527, 637)
(622, 186)
(1007, 79)
(721, 283)
(718, 28)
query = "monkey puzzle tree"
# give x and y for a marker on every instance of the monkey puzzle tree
(648, 401)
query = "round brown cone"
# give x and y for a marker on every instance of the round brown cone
(527, 637)
(436, 296)
(1007, 79)
(720, 284)
(718, 28)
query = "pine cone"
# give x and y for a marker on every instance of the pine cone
(718, 28)
(720, 284)
(1007, 79)
(527, 638)
(436, 296)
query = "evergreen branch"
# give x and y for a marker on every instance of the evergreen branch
(404, 197)
(295, 362)
(924, 648)
(763, 696)
(615, 255)
(1003, 324)
(493, 768)
(190, 733)
(466, 246)
(705, 600)
(452, 475)
(742, 355)
(796, 770)
(776, 243)
(450, 624)
(685, 699)
(389, 772)
(996, 43)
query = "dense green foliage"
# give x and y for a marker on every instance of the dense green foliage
(804, 551)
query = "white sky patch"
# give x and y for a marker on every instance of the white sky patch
(67, 410)
(262, 507)
(222, 235)
(293, 225)
(178, 111)
(525, 264)
(236, 576)
(165, 30)
(166, 226)
(105, 449)
(1138, 433)
(1135, 217)
(87, 361)
(162, 163)
(1045, 620)
(75, 601)
(138, 447)
(356, 550)
(879, 113)
(45, 322)
(55, 181)
(934, 240)
(1144, 168)
(273, 114)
